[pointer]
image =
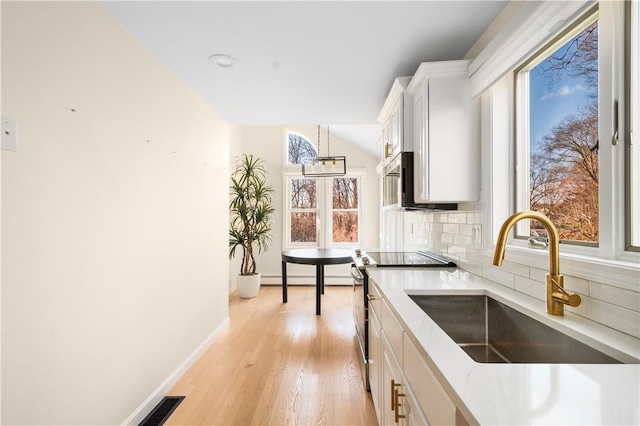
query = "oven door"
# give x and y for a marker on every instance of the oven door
(360, 318)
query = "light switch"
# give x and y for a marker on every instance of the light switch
(9, 135)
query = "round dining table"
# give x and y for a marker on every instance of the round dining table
(317, 257)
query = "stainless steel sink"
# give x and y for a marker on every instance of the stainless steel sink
(490, 331)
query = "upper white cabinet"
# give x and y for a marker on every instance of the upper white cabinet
(446, 134)
(396, 118)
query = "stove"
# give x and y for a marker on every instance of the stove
(381, 259)
(419, 259)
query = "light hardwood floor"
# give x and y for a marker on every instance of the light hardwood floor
(279, 364)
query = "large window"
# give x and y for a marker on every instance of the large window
(320, 212)
(323, 212)
(557, 134)
(582, 136)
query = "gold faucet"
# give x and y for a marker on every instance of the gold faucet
(557, 296)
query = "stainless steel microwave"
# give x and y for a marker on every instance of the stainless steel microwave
(397, 186)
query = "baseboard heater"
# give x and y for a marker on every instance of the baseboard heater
(162, 411)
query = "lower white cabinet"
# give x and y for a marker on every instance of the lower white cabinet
(438, 408)
(404, 389)
(375, 356)
(391, 385)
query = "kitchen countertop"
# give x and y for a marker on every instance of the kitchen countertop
(510, 394)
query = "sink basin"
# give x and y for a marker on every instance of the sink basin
(491, 332)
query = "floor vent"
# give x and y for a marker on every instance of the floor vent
(163, 410)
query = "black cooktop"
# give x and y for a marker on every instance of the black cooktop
(408, 259)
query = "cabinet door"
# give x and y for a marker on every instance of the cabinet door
(386, 141)
(421, 157)
(396, 129)
(375, 365)
(435, 403)
(391, 384)
(452, 144)
(411, 409)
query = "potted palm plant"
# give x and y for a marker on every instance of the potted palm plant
(250, 209)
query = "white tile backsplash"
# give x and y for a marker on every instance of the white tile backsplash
(532, 288)
(616, 296)
(498, 275)
(457, 236)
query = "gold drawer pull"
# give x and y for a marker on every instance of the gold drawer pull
(393, 392)
(396, 394)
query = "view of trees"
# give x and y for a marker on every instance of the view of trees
(304, 199)
(345, 197)
(303, 224)
(563, 179)
(301, 151)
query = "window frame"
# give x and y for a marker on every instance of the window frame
(330, 210)
(631, 125)
(610, 262)
(522, 120)
(324, 219)
(287, 243)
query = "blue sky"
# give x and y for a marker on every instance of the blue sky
(551, 101)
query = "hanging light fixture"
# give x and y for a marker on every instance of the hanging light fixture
(326, 166)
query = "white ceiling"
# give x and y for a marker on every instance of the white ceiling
(303, 62)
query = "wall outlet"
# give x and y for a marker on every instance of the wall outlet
(9, 135)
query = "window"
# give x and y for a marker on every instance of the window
(506, 135)
(303, 210)
(557, 148)
(300, 150)
(632, 83)
(323, 212)
(345, 210)
(320, 212)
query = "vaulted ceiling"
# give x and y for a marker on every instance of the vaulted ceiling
(303, 62)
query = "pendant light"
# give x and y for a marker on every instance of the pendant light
(325, 166)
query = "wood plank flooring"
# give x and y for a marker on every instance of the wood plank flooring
(279, 364)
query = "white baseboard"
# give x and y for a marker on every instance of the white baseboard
(149, 404)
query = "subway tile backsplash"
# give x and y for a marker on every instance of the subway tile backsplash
(457, 236)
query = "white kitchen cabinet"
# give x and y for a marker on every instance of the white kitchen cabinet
(404, 389)
(375, 357)
(392, 388)
(446, 134)
(396, 118)
(438, 408)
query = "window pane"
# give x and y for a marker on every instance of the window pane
(303, 194)
(345, 193)
(301, 150)
(563, 137)
(303, 227)
(345, 227)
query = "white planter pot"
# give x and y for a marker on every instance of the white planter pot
(248, 285)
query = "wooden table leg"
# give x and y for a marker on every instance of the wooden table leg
(284, 282)
(319, 274)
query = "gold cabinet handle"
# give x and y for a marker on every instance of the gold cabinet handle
(393, 392)
(396, 394)
(371, 297)
(387, 150)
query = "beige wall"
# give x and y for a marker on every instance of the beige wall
(268, 142)
(114, 241)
